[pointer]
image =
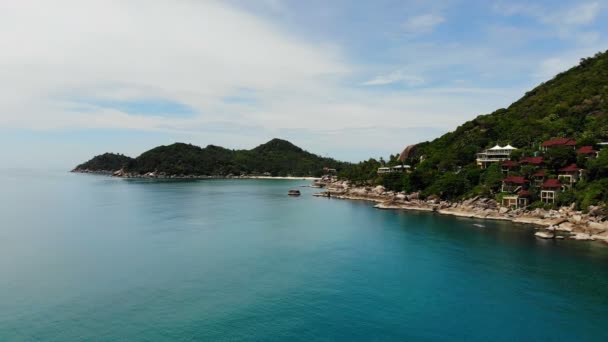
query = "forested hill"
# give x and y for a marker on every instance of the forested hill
(276, 157)
(572, 105)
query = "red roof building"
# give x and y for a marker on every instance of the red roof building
(515, 180)
(509, 164)
(569, 169)
(532, 160)
(523, 193)
(559, 142)
(541, 173)
(552, 184)
(587, 150)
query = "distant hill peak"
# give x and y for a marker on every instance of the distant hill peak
(277, 157)
(277, 145)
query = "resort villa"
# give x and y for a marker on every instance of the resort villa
(558, 142)
(513, 184)
(393, 169)
(569, 175)
(494, 155)
(519, 200)
(519, 195)
(549, 190)
(538, 178)
(588, 151)
(535, 174)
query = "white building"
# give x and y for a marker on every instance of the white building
(494, 155)
(393, 169)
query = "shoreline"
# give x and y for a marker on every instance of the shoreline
(153, 175)
(564, 223)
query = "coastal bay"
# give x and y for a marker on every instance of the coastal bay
(212, 259)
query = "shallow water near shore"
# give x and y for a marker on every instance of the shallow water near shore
(88, 257)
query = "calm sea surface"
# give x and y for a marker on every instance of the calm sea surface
(85, 258)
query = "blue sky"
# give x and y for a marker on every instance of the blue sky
(347, 79)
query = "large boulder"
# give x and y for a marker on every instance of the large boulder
(379, 190)
(595, 211)
(408, 152)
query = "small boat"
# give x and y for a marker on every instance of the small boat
(293, 192)
(479, 225)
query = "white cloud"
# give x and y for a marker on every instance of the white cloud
(578, 15)
(422, 24)
(398, 76)
(198, 53)
(584, 14)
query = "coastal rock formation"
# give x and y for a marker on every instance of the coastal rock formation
(566, 222)
(408, 152)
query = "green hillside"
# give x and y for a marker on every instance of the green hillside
(277, 158)
(106, 162)
(574, 104)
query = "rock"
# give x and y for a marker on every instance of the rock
(400, 197)
(582, 236)
(503, 210)
(544, 235)
(565, 227)
(379, 189)
(595, 211)
(597, 227)
(359, 191)
(413, 196)
(577, 218)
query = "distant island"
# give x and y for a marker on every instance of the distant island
(276, 158)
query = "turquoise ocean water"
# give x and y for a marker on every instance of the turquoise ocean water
(87, 258)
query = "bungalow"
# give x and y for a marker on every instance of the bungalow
(508, 165)
(493, 155)
(394, 169)
(569, 175)
(539, 177)
(549, 190)
(513, 184)
(558, 142)
(535, 161)
(520, 200)
(588, 151)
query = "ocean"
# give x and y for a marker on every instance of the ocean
(95, 258)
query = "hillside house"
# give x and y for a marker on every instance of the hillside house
(558, 142)
(519, 200)
(538, 178)
(588, 151)
(513, 184)
(549, 190)
(569, 175)
(534, 161)
(394, 169)
(494, 155)
(508, 166)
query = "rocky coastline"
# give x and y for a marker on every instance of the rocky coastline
(564, 223)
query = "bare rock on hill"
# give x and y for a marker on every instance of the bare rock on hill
(408, 152)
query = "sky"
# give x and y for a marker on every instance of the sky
(341, 78)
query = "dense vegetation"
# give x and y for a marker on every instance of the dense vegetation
(277, 158)
(574, 104)
(106, 162)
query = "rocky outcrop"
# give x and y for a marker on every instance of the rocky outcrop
(566, 222)
(408, 152)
